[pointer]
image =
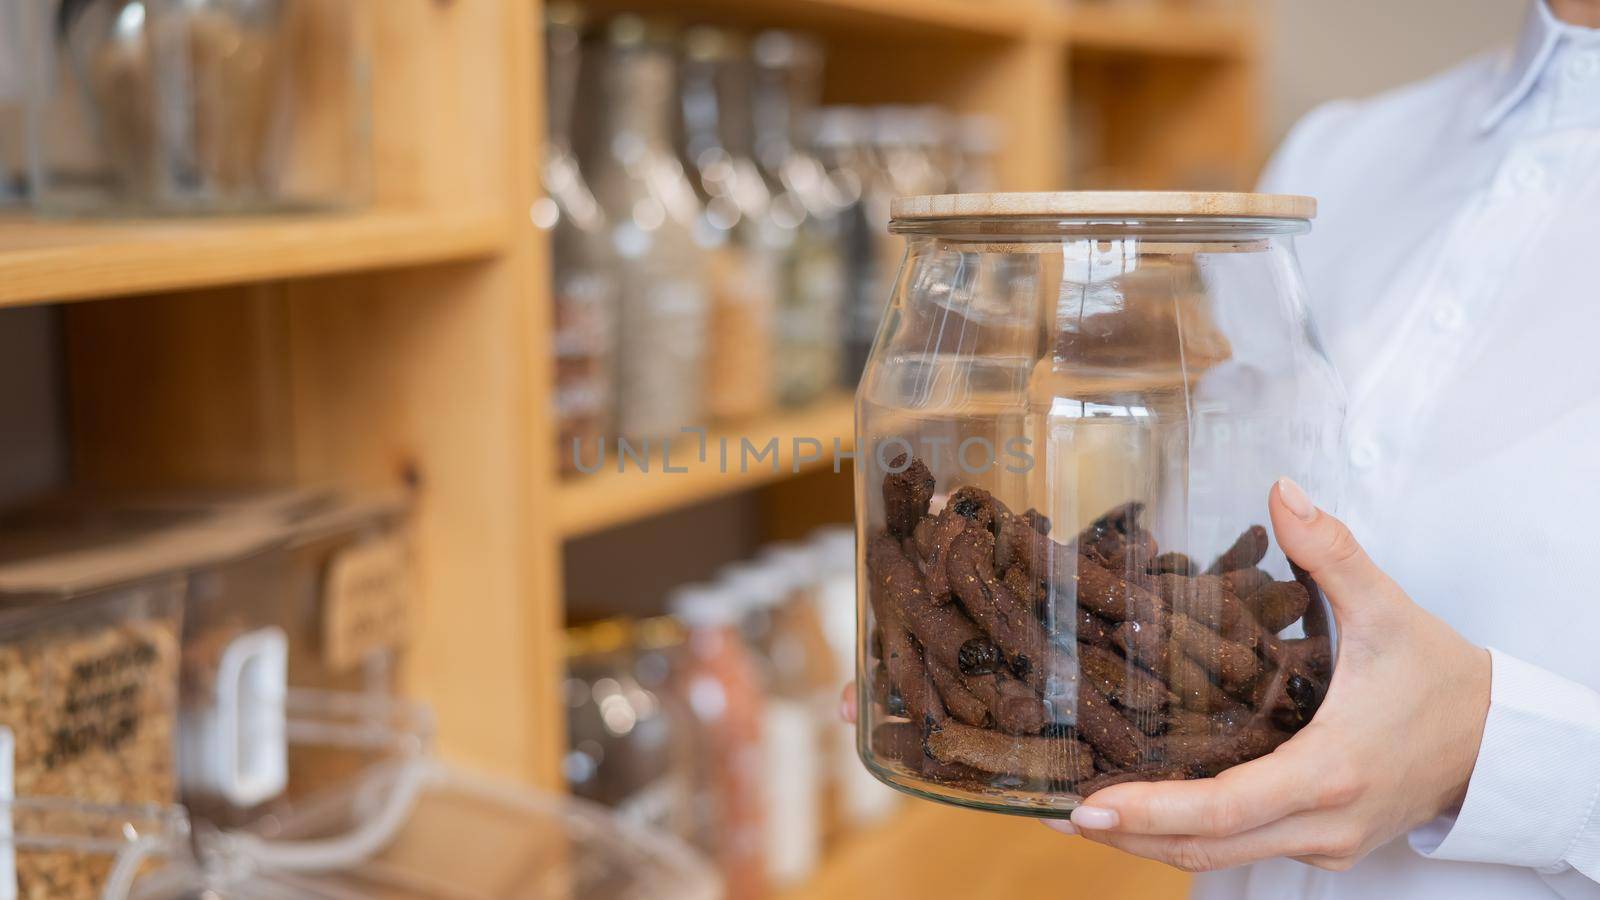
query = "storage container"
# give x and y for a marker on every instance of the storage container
(1072, 416)
(53, 847)
(315, 595)
(401, 824)
(13, 147)
(90, 616)
(651, 210)
(583, 276)
(205, 106)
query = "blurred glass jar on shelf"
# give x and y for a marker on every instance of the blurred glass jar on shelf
(845, 140)
(743, 242)
(207, 106)
(628, 744)
(855, 799)
(652, 211)
(583, 280)
(788, 70)
(720, 685)
(784, 641)
(13, 147)
(91, 610)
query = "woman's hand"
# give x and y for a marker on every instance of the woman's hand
(1392, 746)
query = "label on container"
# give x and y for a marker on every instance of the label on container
(101, 704)
(366, 599)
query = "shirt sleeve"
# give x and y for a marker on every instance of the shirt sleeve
(1534, 796)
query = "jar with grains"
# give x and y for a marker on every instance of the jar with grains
(1072, 416)
(90, 616)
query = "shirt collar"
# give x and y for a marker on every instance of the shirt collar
(1517, 74)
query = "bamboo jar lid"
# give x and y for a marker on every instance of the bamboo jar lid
(1098, 203)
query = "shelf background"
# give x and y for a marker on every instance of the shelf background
(409, 344)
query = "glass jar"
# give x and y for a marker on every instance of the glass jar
(204, 106)
(628, 744)
(652, 211)
(1070, 421)
(806, 208)
(745, 245)
(583, 281)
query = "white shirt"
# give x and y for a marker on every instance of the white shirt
(1454, 270)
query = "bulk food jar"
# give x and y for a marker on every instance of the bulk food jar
(91, 608)
(1072, 415)
(200, 106)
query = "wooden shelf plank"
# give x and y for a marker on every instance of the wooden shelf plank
(1166, 30)
(930, 851)
(52, 260)
(592, 502)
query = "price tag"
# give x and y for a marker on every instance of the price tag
(366, 602)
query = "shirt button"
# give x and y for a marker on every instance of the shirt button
(1527, 175)
(1584, 66)
(1364, 454)
(1448, 316)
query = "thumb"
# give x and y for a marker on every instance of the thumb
(1324, 547)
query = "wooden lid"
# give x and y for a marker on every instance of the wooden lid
(1096, 203)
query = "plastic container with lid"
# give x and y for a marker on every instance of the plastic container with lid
(197, 107)
(1074, 411)
(90, 616)
(56, 847)
(314, 594)
(404, 825)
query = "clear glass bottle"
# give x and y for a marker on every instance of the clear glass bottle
(137, 107)
(788, 72)
(652, 210)
(583, 267)
(720, 686)
(1070, 423)
(790, 730)
(628, 745)
(13, 147)
(843, 137)
(746, 244)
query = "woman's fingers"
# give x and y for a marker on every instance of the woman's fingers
(1324, 547)
(1321, 840)
(1243, 798)
(847, 704)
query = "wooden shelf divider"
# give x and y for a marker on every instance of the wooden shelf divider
(49, 260)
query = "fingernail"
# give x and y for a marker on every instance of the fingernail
(1095, 818)
(1294, 497)
(847, 712)
(1061, 825)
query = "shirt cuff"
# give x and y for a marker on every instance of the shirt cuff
(1532, 799)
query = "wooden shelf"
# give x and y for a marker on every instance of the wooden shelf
(592, 502)
(931, 852)
(1167, 30)
(52, 260)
